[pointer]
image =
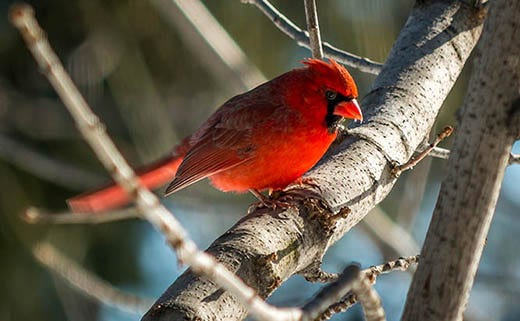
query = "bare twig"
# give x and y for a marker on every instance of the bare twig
(443, 153)
(401, 264)
(207, 39)
(302, 39)
(397, 170)
(316, 274)
(35, 215)
(437, 152)
(341, 295)
(52, 170)
(350, 280)
(369, 299)
(86, 282)
(22, 16)
(313, 27)
(331, 293)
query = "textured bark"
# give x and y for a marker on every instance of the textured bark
(266, 248)
(490, 123)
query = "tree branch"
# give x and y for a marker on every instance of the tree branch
(397, 170)
(313, 27)
(443, 153)
(265, 248)
(480, 155)
(514, 159)
(371, 274)
(302, 39)
(22, 17)
(39, 216)
(351, 279)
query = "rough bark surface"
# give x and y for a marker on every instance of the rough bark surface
(266, 248)
(490, 123)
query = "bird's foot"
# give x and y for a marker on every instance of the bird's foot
(268, 201)
(304, 181)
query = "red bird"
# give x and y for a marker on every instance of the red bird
(264, 139)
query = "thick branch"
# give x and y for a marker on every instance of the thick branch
(479, 157)
(266, 248)
(22, 17)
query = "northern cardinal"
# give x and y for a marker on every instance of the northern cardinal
(264, 139)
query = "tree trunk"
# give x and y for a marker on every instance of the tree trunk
(467, 199)
(266, 248)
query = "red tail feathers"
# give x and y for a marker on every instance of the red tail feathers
(114, 196)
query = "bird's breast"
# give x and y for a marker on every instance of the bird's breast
(280, 156)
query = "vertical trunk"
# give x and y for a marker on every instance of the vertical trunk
(489, 126)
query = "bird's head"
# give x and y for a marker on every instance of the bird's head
(331, 85)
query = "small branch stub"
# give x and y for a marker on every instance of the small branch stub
(398, 169)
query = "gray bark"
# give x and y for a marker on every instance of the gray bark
(490, 124)
(266, 248)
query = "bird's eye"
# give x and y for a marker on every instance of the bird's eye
(331, 95)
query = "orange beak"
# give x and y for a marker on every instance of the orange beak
(349, 109)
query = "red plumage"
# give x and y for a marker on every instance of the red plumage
(263, 139)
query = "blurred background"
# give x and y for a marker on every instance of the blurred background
(151, 78)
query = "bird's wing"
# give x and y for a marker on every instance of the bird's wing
(224, 141)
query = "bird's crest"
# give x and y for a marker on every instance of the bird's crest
(334, 75)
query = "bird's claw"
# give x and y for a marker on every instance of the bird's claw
(304, 181)
(271, 202)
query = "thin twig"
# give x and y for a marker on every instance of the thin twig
(315, 274)
(369, 299)
(437, 152)
(86, 282)
(22, 16)
(313, 27)
(350, 280)
(302, 39)
(35, 215)
(401, 264)
(45, 167)
(443, 153)
(352, 286)
(331, 293)
(398, 169)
